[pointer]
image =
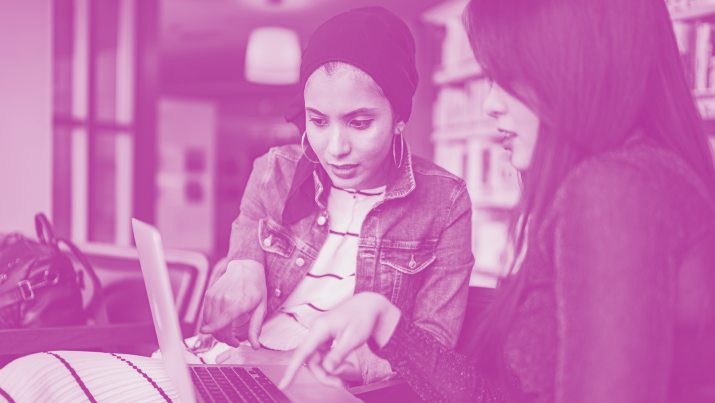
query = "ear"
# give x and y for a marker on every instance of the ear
(399, 127)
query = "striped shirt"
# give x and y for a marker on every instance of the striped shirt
(331, 279)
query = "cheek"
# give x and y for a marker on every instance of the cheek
(522, 153)
(317, 142)
(528, 137)
(373, 149)
(527, 145)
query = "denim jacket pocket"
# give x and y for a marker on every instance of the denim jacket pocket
(408, 257)
(273, 239)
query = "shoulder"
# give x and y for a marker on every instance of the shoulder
(634, 183)
(282, 159)
(285, 154)
(289, 152)
(640, 167)
(431, 173)
(276, 168)
(602, 177)
(435, 186)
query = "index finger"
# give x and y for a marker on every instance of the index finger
(317, 336)
(208, 308)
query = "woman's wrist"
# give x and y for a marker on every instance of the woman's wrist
(243, 265)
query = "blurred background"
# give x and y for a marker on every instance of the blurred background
(156, 109)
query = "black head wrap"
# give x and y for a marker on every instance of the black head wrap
(372, 39)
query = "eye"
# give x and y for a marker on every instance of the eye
(361, 124)
(320, 122)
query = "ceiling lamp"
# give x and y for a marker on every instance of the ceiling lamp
(280, 5)
(273, 56)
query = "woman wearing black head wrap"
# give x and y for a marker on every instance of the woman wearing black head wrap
(349, 210)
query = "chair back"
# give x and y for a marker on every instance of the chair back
(120, 274)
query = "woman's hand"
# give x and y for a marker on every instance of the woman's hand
(350, 324)
(238, 296)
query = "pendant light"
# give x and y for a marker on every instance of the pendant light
(273, 56)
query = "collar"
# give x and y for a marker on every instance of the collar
(304, 192)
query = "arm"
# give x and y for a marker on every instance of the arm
(239, 294)
(243, 244)
(440, 302)
(442, 299)
(614, 290)
(435, 372)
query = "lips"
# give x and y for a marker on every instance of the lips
(346, 171)
(508, 140)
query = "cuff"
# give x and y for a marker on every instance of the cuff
(393, 345)
(372, 367)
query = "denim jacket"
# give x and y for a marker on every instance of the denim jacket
(414, 246)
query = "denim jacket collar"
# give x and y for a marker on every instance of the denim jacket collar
(302, 193)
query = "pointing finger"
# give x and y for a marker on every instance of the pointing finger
(318, 335)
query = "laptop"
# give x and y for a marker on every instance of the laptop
(214, 383)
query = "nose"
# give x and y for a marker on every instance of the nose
(493, 105)
(338, 143)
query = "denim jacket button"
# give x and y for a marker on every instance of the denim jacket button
(300, 262)
(267, 242)
(278, 292)
(321, 220)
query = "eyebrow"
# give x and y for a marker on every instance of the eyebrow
(359, 111)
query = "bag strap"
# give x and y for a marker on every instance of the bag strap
(96, 306)
(46, 235)
(25, 289)
(45, 231)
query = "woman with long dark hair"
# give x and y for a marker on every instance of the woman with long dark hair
(612, 285)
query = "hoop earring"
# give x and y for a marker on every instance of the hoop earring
(302, 147)
(402, 150)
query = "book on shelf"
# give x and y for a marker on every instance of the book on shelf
(456, 49)
(460, 105)
(703, 58)
(676, 5)
(703, 53)
(477, 90)
(680, 5)
(458, 62)
(450, 107)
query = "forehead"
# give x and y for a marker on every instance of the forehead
(346, 85)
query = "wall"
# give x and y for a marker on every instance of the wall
(25, 113)
(185, 180)
(248, 126)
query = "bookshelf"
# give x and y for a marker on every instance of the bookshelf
(465, 139)
(694, 26)
(467, 143)
(683, 10)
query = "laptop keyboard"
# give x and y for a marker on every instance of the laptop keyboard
(235, 384)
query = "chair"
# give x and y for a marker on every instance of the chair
(128, 310)
(119, 271)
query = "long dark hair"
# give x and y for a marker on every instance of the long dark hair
(594, 71)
